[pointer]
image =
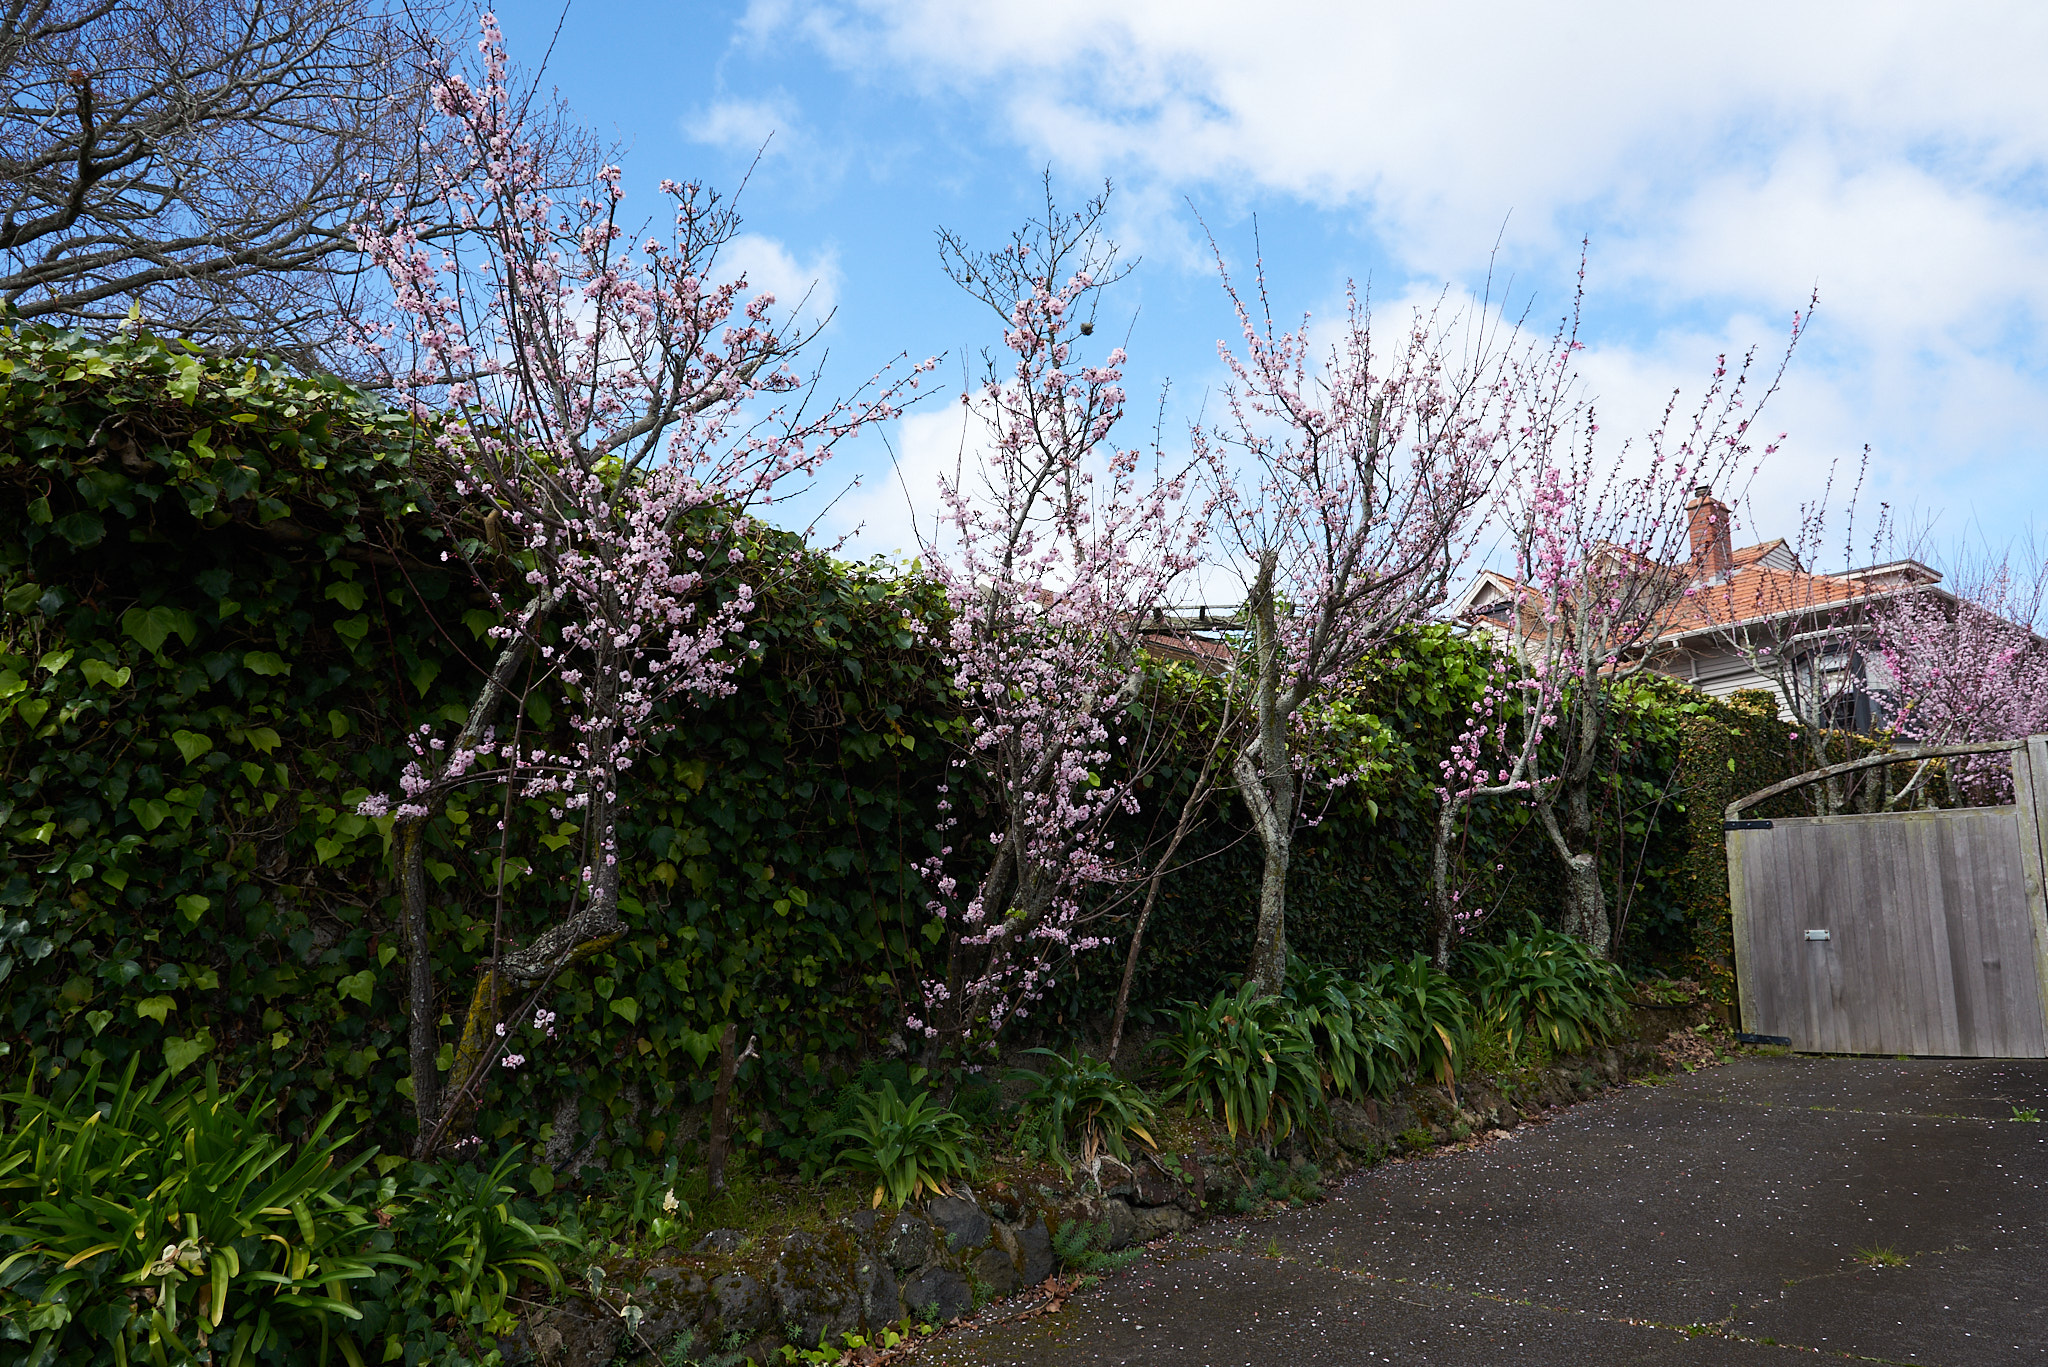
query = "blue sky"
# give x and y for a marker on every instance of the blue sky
(1724, 163)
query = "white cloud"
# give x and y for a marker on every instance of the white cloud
(809, 289)
(1725, 162)
(896, 505)
(768, 126)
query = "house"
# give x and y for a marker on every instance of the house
(1748, 617)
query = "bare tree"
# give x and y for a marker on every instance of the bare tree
(202, 160)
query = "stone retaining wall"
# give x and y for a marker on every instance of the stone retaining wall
(737, 1298)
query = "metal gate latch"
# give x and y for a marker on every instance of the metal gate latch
(1817, 935)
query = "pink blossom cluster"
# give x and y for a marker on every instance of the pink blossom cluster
(616, 411)
(1052, 558)
(1966, 667)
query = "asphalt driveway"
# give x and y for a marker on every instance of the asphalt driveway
(1752, 1213)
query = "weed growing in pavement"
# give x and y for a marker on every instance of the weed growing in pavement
(2026, 1114)
(1883, 1255)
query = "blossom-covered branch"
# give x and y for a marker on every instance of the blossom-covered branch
(1345, 485)
(1054, 555)
(616, 415)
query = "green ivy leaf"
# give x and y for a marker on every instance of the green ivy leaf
(99, 1020)
(157, 1009)
(31, 710)
(266, 663)
(627, 1007)
(81, 529)
(353, 629)
(151, 627)
(424, 676)
(151, 812)
(357, 985)
(193, 907)
(180, 1054)
(350, 596)
(104, 674)
(191, 744)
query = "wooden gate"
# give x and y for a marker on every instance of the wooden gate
(1900, 932)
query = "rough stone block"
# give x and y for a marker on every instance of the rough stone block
(995, 1269)
(880, 1298)
(677, 1301)
(1109, 1220)
(719, 1241)
(1114, 1177)
(938, 1293)
(813, 1297)
(1034, 1253)
(1122, 1224)
(908, 1242)
(744, 1306)
(963, 1226)
(1157, 1222)
(1152, 1187)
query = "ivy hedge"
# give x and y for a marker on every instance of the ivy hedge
(226, 601)
(225, 605)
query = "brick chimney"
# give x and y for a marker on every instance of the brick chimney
(1706, 517)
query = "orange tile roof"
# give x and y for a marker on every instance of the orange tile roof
(1754, 593)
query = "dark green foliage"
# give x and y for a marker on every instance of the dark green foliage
(248, 1244)
(1361, 1036)
(1728, 749)
(1080, 1246)
(910, 1145)
(224, 604)
(1435, 1015)
(1358, 879)
(1272, 1180)
(1246, 1060)
(223, 608)
(1548, 987)
(1075, 1096)
(461, 1229)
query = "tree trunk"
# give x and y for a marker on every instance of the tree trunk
(1567, 817)
(1585, 903)
(1267, 786)
(410, 838)
(1440, 883)
(422, 1012)
(721, 1120)
(1268, 967)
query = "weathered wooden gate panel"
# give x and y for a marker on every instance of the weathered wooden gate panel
(1897, 933)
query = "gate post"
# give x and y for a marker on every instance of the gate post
(2030, 792)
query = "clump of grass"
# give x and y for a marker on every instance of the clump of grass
(2026, 1114)
(1882, 1255)
(1079, 1245)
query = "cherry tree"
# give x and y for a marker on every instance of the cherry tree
(616, 416)
(1053, 555)
(1499, 751)
(1345, 485)
(1966, 664)
(1605, 551)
